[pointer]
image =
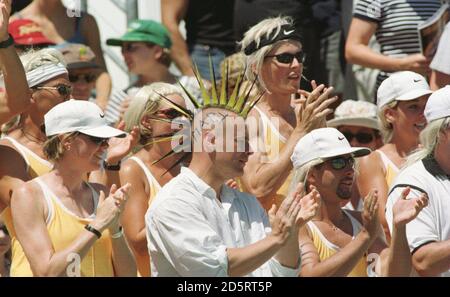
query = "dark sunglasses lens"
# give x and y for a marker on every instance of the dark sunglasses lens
(98, 140)
(300, 57)
(338, 163)
(285, 58)
(88, 78)
(64, 90)
(364, 137)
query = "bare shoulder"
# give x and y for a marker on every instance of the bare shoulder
(11, 161)
(28, 196)
(372, 159)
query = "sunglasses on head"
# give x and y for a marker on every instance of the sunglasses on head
(341, 162)
(63, 90)
(287, 58)
(73, 78)
(361, 137)
(97, 140)
(170, 113)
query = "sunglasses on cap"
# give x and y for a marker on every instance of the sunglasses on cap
(340, 163)
(361, 137)
(63, 90)
(96, 140)
(287, 58)
(73, 78)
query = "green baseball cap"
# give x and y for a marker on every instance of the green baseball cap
(144, 31)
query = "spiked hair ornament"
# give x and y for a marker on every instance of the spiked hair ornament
(240, 101)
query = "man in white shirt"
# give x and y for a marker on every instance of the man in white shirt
(428, 172)
(197, 226)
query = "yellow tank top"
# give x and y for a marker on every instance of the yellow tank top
(36, 166)
(273, 144)
(326, 249)
(391, 170)
(143, 261)
(63, 228)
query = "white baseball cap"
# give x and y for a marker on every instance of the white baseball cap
(402, 86)
(438, 105)
(79, 115)
(324, 143)
(355, 113)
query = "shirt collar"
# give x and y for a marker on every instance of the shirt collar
(198, 183)
(432, 166)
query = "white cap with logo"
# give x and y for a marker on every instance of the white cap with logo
(438, 105)
(79, 115)
(324, 143)
(402, 86)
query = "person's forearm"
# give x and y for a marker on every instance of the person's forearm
(363, 55)
(242, 261)
(103, 87)
(433, 258)
(399, 257)
(289, 254)
(180, 53)
(343, 262)
(270, 176)
(123, 260)
(138, 241)
(16, 85)
(61, 263)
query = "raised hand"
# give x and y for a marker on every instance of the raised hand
(309, 205)
(406, 210)
(283, 220)
(5, 8)
(109, 208)
(120, 147)
(311, 112)
(370, 214)
(232, 183)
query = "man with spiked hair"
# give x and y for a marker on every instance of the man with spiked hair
(197, 226)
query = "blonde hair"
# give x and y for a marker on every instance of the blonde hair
(146, 102)
(301, 174)
(429, 138)
(53, 147)
(386, 128)
(254, 34)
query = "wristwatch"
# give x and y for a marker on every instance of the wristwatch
(115, 167)
(8, 42)
(93, 230)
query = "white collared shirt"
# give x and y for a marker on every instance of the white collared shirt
(432, 224)
(189, 229)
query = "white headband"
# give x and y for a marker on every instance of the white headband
(44, 73)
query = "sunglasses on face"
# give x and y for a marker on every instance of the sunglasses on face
(287, 58)
(360, 137)
(96, 140)
(63, 90)
(170, 113)
(87, 77)
(132, 47)
(341, 162)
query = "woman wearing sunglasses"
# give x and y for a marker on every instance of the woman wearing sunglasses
(357, 120)
(65, 225)
(153, 116)
(83, 70)
(21, 148)
(274, 55)
(401, 101)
